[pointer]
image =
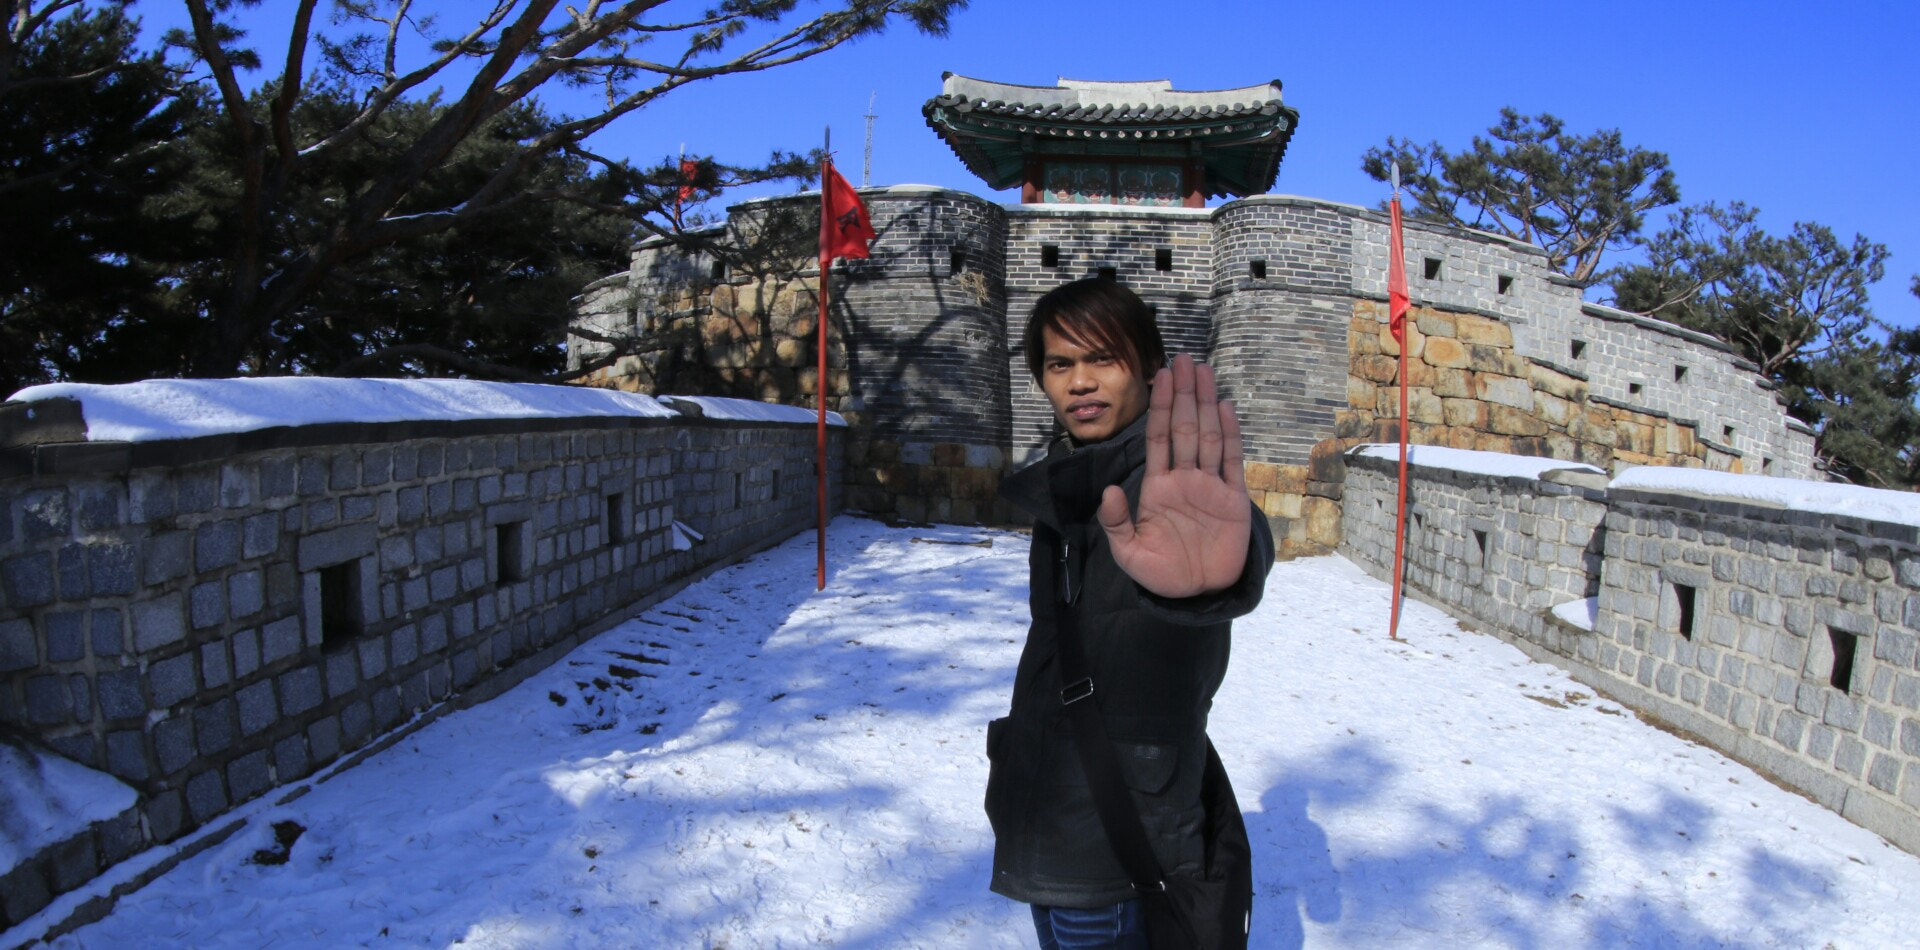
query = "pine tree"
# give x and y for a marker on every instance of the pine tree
(1577, 197)
(88, 127)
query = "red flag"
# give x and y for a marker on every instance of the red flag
(845, 231)
(1397, 298)
(689, 170)
(844, 226)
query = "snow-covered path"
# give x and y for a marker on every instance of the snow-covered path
(754, 764)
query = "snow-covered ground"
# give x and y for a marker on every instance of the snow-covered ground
(753, 764)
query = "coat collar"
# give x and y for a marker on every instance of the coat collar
(1064, 488)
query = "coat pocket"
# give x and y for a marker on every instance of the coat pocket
(995, 730)
(1147, 766)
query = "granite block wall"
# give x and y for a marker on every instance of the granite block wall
(1690, 377)
(1637, 362)
(1284, 295)
(1501, 550)
(1785, 639)
(207, 619)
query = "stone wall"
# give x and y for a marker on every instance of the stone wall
(1502, 550)
(1131, 244)
(1785, 639)
(1284, 295)
(1641, 365)
(925, 393)
(1662, 370)
(207, 619)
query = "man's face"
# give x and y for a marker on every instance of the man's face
(1094, 393)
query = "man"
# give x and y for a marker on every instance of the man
(1142, 528)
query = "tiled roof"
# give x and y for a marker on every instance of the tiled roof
(1240, 134)
(1108, 102)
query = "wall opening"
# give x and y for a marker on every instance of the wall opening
(616, 518)
(1579, 349)
(956, 260)
(1844, 643)
(733, 497)
(1049, 255)
(1633, 389)
(340, 619)
(1593, 558)
(1482, 540)
(717, 271)
(773, 479)
(1431, 268)
(1726, 432)
(1257, 269)
(1504, 285)
(1163, 258)
(1680, 598)
(1832, 660)
(1766, 465)
(509, 551)
(1679, 373)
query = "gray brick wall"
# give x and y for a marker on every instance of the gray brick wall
(1732, 621)
(1087, 242)
(222, 621)
(1502, 550)
(1655, 365)
(1758, 664)
(1264, 287)
(1282, 318)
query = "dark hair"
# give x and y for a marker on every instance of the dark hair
(1100, 314)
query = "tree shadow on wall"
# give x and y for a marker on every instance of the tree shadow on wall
(904, 373)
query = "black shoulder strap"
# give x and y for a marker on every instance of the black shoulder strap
(1118, 816)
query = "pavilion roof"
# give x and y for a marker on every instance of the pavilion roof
(1240, 134)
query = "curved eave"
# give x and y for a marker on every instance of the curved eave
(1131, 113)
(1242, 149)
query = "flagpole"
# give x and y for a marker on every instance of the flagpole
(1400, 508)
(820, 383)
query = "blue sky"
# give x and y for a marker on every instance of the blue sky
(1807, 111)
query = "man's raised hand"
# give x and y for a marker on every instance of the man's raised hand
(1190, 535)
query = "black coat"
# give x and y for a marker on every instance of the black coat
(1155, 663)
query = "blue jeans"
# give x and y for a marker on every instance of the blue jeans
(1119, 927)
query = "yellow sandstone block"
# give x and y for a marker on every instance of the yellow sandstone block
(1476, 329)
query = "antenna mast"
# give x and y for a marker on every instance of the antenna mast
(866, 166)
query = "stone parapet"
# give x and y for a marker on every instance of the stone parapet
(1285, 295)
(1783, 638)
(208, 619)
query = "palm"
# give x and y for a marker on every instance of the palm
(1190, 533)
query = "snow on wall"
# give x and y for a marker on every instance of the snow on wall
(747, 410)
(45, 798)
(1853, 501)
(161, 409)
(1471, 461)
